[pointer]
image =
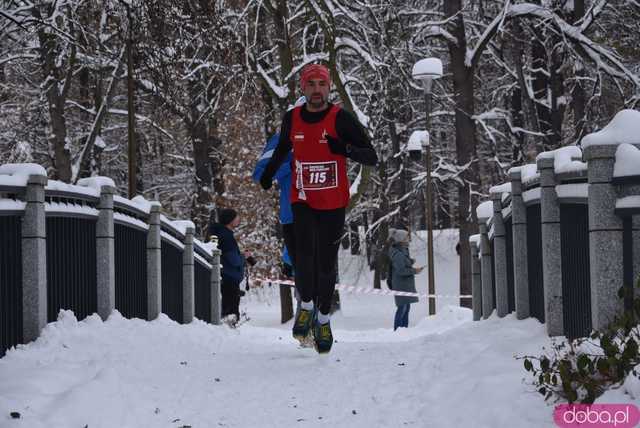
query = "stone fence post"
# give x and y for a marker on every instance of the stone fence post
(551, 247)
(215, 286)
(636, 250)
(154, 265)
(605, 236)
(105, 253)
(520, 249)
(487, 269)
(476, 278)
(188, 302)
(500, 256)
(34, 260)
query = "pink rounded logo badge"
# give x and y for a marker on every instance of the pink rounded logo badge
(596, 415)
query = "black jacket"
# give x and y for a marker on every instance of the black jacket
(348, 129)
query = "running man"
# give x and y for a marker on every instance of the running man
(322, 136)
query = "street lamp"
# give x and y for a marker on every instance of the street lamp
(426, 70)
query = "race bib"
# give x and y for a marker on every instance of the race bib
(319, 175)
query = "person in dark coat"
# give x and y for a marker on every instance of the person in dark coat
(402, 275)
(231, 259)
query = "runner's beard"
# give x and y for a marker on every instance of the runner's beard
(317, 100)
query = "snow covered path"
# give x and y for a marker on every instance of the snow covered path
(444, 371)
(129, 373)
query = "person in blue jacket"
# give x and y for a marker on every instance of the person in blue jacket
(283, 175)
(231, 259)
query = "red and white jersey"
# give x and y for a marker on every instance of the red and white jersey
(319, 176)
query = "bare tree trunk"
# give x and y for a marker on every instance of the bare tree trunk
(82, 166)
(281, 19)
(556, 82)
(208, 173)
(56, 95)
(401, 186)
(540, 84)
(381, 234)
(529, 147)
(578, 95)
(466, 151)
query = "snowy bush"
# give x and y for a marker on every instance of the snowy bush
(580, 370)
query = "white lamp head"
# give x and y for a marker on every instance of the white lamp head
(427, 69)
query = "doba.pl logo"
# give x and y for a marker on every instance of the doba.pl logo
(596, 415)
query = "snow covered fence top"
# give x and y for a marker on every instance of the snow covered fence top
(565, 159)
(500, 189)
(137, 204)
(17, 174)
(60, 187)
(627, 161)
(623, 128)
(528, 172)
(484, 210)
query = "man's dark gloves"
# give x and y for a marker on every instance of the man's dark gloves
(337, 146)
(266, 180)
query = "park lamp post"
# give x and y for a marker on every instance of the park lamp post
(426, 70)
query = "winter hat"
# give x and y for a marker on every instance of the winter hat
(226, 216)
(314, 71)
(398, 236)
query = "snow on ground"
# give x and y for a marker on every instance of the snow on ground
(444, 371)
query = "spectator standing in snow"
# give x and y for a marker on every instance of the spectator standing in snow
(322, 137)
(232, 261)
(402, 275)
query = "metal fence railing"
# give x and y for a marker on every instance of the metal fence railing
(130, 270)
(572, 237)
(202, 290)
(71, 267)
(10, 281)
(534, 254)
(510, 284)
(172, 280)
(576, 290)
(85, 249)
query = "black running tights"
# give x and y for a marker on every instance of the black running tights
(317, 236)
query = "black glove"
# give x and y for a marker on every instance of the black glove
(337, 146)
(266, 180)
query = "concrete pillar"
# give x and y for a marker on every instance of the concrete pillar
(520, 261)
(34, 260)
(605, 236)
(636, 252)
(105, 253)
(487, 270)
(154, 265)
(551, 248)
(215, 286)
(188, 302)
(476, 279)
(500, 256)
(624, 191)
